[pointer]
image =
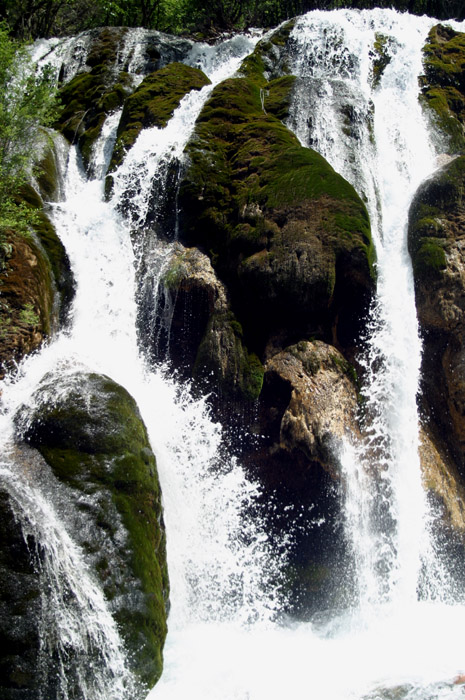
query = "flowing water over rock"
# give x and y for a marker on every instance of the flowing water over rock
(355, 101)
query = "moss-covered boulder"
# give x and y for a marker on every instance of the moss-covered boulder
(443, 84)
(436, 230)
(89, 430)
(153, 103)
(93, 94)
(283, 230)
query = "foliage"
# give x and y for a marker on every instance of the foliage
(27, 101)
(43, 18)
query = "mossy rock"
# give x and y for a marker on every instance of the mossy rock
(153, 103)
(381, 56)
(223, 362)
(90, 96)
(26, 306)
(89, 430)
(54, 250)
(443, 84)
(433, 221)
(282, 228)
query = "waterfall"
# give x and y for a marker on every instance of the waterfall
(366, 120)
(227, 637)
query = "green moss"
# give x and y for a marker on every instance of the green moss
(28, 315)
(153, 103)
(93, 437)
(381, 56)
(444, 83)
(430, 257)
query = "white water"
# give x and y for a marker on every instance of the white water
(223, 642)
(386, 511)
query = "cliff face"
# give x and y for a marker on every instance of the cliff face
(268, 287)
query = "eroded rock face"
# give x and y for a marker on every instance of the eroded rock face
(204, 340)
(19, 610)
(26, 301)
(322, 409)
(437, 246)
(310, 406)
(88, 429)
(443, 84)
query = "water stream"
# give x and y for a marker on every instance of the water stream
(224, 642)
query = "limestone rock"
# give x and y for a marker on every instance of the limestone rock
(436, 243)
(88, 429)
(322, 408)
(442, 481)
(205, 338)
(283, 230)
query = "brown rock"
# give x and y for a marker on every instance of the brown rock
(26, 300)
(322, 406)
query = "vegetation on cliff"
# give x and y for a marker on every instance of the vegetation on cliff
(443, 84)
(27, 102)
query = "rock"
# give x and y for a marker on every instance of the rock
(36, 285)
(308, 405)
(443, 85)
(88, 429)
(436, 225)
(322, 407)
(205, 338)
(442, 481)
(94, 93)
(283, 230)
(20, 607)
(153, 102)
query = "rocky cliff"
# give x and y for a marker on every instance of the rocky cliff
(267, 290)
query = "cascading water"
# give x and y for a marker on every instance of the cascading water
(223, 641)
(360, 109)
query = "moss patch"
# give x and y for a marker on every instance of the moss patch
(90, 432)
(153, 103)
(436, 220)
(443, 83)
(277, 221)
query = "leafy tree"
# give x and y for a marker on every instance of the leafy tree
(27, 101)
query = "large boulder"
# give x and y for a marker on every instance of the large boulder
(284, 231)
(88, 429)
